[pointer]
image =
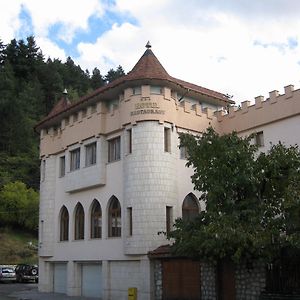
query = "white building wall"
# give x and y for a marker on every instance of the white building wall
(150, 184)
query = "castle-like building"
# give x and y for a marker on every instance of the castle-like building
(113, 176)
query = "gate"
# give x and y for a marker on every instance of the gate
(181, 279)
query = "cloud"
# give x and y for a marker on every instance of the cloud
(244, 48)
(69, 14)
(50, 49)
(9, 19)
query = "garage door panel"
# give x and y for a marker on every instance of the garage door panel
(60, 278)
(91, 280)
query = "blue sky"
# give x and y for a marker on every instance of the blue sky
(240, 47)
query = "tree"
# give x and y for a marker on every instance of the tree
(252, 200)
(97, 80)
(114, 74)
(19, 206)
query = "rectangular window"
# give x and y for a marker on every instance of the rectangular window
(114, 149)
(156, 90)
(62, 166)
(90, 154)
(259, 139)
(75, 159)
(83, 113)
(129, 216)
(168, 219)
(67, 121)
(183, 152)
(136, 90)
(167, 139)
(129, 141)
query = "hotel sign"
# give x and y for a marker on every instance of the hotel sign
(145, 106)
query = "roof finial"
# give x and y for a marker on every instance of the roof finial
(148, 45)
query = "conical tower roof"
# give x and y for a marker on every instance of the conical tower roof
(146, 69)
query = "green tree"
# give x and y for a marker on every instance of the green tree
(97, 80)
(19, 206)
(114, 74)
(252, 200)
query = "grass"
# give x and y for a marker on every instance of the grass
(17, 246)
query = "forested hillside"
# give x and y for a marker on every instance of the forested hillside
(30, 85)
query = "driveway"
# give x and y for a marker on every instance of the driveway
(28, 291)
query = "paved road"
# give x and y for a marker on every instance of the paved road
(7, 289)
(28, 291)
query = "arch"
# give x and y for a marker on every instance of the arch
(79, 222)
(64, 224)
(190, 207)
(96, 220)
(114, 218)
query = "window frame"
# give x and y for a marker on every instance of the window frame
(188, 211)
(79, 222)
(114, 218)
(114, 149)
(75, 159)
(64, 224)
(90, 157)
(96, 229)
(167, 139)
(62, 166)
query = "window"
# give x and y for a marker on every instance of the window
(75, 159)
(136, 90)
(129, 141)
(43, 170)
(90, 154)
(190, 209)
(64, 224)
(114, 149)
(183, 152)
(156, 90)
(96, 220)
(62, 166)
(168, 219)
(259, 139)
(114, 219)
(167, 139)
(129, 216)
(67, 121)
(79, 222)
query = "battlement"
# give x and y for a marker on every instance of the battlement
(274, 108)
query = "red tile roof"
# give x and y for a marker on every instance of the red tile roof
(148, 67)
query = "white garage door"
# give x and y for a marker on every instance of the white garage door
(60, 278)
(91, 280)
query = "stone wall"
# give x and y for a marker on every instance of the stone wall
(157, 280)
(208, 281)
(250, 280)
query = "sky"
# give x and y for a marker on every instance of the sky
(238, 47)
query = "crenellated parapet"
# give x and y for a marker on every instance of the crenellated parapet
(130, 107)
(264, 111)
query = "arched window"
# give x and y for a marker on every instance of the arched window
(190, 208)
(96, 220)
(64, 224)
(114, 218)
(79, 222)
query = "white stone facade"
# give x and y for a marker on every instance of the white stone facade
(149, 179)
